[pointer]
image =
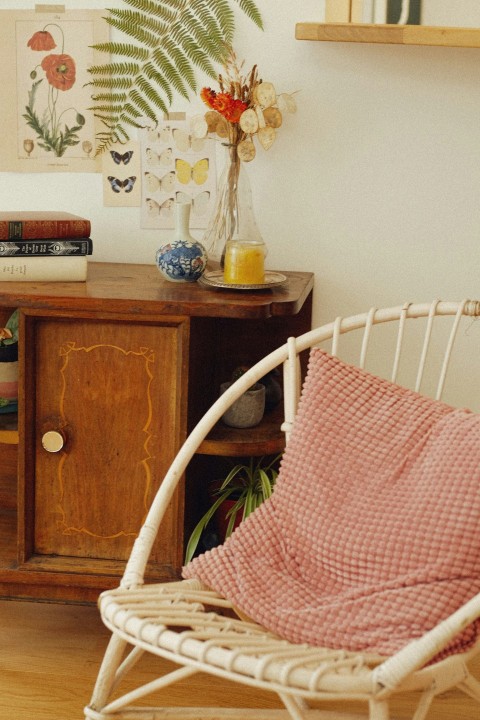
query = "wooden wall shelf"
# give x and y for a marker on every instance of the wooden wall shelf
(389, 34)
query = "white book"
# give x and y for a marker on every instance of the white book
(43, 269)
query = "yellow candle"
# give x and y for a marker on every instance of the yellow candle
(244, 263)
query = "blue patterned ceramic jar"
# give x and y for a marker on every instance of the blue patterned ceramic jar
(184, 259)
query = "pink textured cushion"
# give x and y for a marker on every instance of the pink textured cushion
(373, 532)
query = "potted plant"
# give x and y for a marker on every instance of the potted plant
(245, 488)
(171, 38)
(9, 364)
(247, 411)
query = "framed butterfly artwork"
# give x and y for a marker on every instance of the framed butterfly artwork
(121, 166)
(176, 165)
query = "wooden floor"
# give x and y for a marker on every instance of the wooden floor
(49, 656)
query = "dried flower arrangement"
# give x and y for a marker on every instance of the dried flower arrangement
(244, 107)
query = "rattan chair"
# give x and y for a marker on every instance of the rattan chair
(192, 626)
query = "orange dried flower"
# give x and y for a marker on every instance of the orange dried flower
(223, 103)
(208, 96)
(235, 111)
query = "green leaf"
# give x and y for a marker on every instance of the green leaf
(167, 39)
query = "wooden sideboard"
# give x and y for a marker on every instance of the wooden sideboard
(119, 369)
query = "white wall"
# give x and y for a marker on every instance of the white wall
(373, 185)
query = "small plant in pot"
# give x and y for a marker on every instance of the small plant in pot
(247, 485)
(9, 364)
(247, 411)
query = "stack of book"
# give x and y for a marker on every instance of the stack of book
(44, 246)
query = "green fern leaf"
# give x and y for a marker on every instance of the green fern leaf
(198, 56)
(167, 39)
(152, 74)
(142, 36)
(151, 94)
(169, 71)
(181, 63)
(132, 51)
(250, 9)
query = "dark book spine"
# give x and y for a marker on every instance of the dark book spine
(44, 229)
(46, 248)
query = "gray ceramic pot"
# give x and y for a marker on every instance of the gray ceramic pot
(248, 410)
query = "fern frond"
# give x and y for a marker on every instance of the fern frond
(181, 63)
(167, 40)
(112, 83)
(225, 17)
(198, 32)
(198, 56)
(153, 74)
(130, 69)
(250, 9)
(209, 21)
(131, 111)
(169, 71)
(131, 51)
(156, 9)
(151, 94)
(114, 110)
(143, 105)
(142, 36)
(110, 97)
(138, 20)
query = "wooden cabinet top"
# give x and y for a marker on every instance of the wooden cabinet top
(140, 289)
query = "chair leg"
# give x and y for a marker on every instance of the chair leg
(294, 705)
(107, 674)
(379, 710)
(471, 687)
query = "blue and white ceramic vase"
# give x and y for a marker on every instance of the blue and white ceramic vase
(184, 259)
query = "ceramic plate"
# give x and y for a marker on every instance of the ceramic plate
(215, 279)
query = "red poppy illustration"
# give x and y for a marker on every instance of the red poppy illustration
(60, 71)
(42, 40)
(53, 133)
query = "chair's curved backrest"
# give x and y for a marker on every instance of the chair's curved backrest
(428, 352)
(415, 354)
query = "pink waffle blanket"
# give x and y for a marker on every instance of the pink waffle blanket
(372, 535)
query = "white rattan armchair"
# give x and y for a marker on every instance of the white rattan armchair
(186, 623)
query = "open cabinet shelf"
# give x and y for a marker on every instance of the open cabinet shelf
(389, 34)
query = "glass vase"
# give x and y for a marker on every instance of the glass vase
(233, 217)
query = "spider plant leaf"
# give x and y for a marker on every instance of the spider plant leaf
(200, 527)
(266, 483)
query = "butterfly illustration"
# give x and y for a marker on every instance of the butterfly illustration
(164, 209)
(199, 202)
(164, 135)
(119, 158)
(186, 142)
(163, 158)
(197, 172)
(165, 183)
(117, 185)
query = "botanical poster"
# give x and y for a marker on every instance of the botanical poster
(176, 166)
(50, 125)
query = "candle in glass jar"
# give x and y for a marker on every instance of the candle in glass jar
(244, 262)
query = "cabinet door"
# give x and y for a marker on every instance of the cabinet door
(115, 391)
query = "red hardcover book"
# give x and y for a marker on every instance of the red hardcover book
(37, 225)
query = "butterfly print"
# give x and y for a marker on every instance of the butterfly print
(119, 185)
(119, 158)
(197, 172)
(199, 202)
(155, 183)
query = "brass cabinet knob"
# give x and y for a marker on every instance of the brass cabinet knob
(53, 441)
